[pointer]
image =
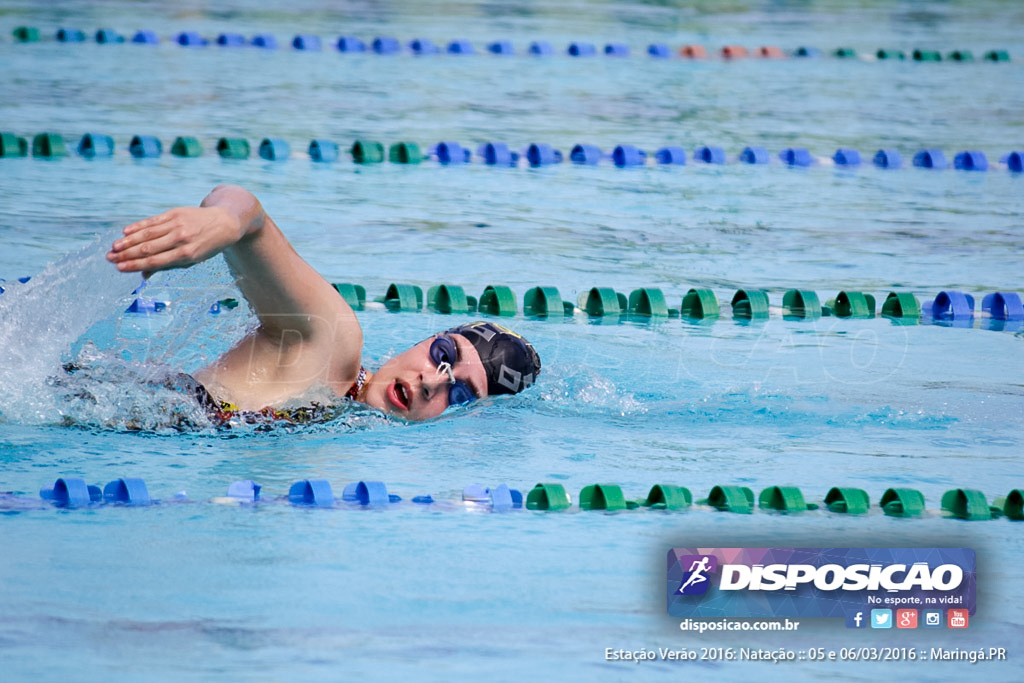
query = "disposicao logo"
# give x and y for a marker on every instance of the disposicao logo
(847, 583)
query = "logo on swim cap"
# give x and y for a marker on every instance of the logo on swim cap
(511, 362)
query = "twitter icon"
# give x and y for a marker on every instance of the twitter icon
(881, 618)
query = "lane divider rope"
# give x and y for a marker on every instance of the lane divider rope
(51, 145)
(960, 503)
(387, 45)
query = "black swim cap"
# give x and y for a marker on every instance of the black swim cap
(511, 362)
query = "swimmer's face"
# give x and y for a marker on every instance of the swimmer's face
(411, 386)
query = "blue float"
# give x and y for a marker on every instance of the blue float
(265, 40)
(94, 145)
(846, 157)
(582, 50)
(501, 47)
(807, 52)
(105, 36)
(368, 493)
(147, 306)
(497, 154)
(971, 160)
(145, 147)
(930, 158)
(796, 156)
(190, 39)
(539, 154)
(309, 43)
(659, 50)
(710, 155)
(887, 158)
(628, 155)
(127, 491)
(616, 50)
(350, 44)
(541, 47)
(385, 45)
(71, 492)
(1014, 161)
(586, 155)
(245, 490)
(274, 149)
(675, 156)
(460, 47)
(452, 153)
(1003, 306)
(501, 498)
(145, 38)
(323, 150)
(953, 305)
(754, 155)
(70, 35)
(423, 46)
(231, 40)
(315, 492)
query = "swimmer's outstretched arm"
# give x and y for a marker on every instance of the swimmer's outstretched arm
(308, 334)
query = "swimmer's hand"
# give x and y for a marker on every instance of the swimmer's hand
(178, 238)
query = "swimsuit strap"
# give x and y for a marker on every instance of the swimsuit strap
(354, 390)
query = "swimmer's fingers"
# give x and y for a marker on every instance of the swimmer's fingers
(174, 239)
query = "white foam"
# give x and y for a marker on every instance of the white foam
(40, 319)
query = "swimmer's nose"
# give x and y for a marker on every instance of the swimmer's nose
(431, 384)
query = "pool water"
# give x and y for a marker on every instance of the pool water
(189, 589)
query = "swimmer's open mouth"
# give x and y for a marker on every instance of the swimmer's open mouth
(398, 394)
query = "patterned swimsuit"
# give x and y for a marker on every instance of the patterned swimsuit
(223, 413)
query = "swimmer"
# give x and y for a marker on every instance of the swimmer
(308, 336)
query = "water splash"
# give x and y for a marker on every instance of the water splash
(42, 318)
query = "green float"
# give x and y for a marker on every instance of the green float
(784, 499)
(49, 146)
(902, 305)
(967, 504)
(801, 304)
(997, 56)
(899, 55)
(902, 502)
(548, 497)
(960, 56)
(668, 497)
(367, 152)
(602, 301)
(604, 497)
(186, 147)
(354, 295)
(498, 300)
(403, 298)
(731, 499)
(845, 53)
(26, 34)
(648, 302)
(927, 56)
(848, 501)
(405, 153)
(750, 304)
(699, 303)
(233, 148)
(853, 305)
(12, 146)
(448, 299)
(1012, 505)
(545, 302)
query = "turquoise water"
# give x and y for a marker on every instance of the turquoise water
(197, 590)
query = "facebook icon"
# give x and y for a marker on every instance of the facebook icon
(856, 620)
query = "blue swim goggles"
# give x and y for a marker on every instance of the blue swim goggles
(444, 353)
